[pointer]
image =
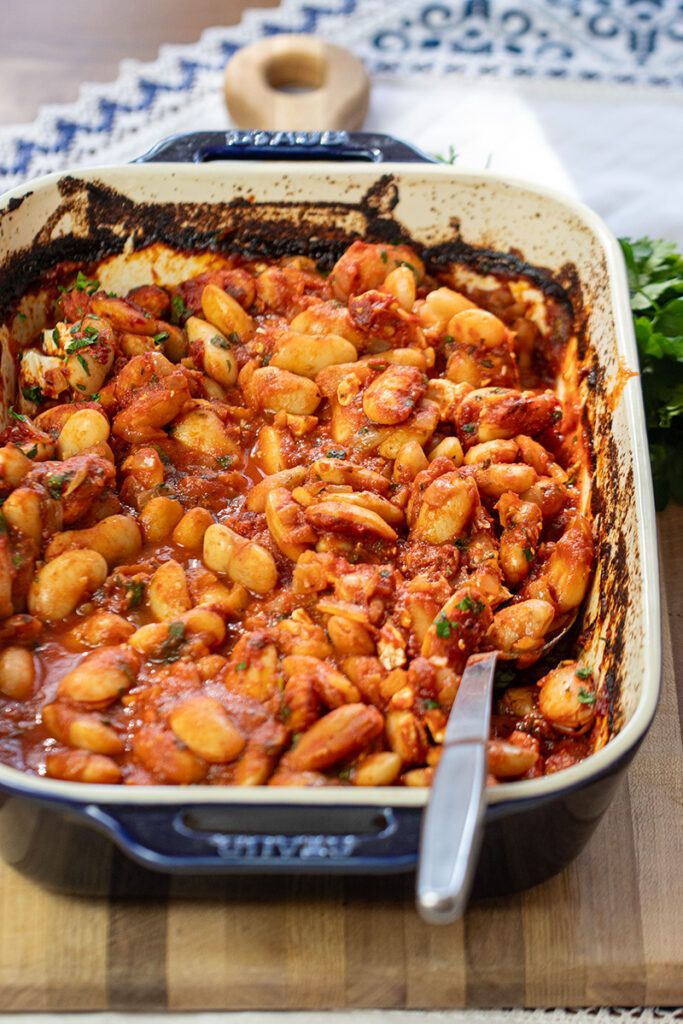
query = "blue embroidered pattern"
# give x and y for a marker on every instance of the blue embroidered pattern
(622, 42)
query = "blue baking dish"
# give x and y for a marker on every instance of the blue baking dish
(312, 193)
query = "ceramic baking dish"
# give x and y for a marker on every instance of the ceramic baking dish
(302, 192)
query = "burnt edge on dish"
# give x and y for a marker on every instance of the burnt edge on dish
(107, 222)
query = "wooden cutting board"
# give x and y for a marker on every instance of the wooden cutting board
(609, 930)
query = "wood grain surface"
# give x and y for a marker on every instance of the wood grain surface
(47, 48)
(606, 931)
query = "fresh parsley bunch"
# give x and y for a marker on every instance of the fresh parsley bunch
(655, 277)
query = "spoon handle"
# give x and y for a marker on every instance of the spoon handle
(452, 822)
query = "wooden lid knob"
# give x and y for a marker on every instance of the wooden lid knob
(296, 82)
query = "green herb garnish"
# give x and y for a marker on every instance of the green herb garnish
(528, 554)
(14, 415)
(218, 342)
(179, 310)
(430, 704)
(136, 593)
(240, 666)
(170, 647)
(469, 428)
(469, 604)
(32, 452)
(449, 158)
(444, 626)
(586, 697)
(655, 277)
(86, 284)
(336, 453)
(55, 485)
(584, 673)
(32, 394)
(224, 461)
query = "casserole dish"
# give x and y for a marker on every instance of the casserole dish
(151, 220)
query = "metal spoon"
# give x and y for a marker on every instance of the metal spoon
(452, 824)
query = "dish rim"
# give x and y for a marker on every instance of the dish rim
(529, 791)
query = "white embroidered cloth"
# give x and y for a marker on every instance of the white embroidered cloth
(586, 95)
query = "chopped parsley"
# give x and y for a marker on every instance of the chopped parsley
(430, 704)
(32, 452)
(469, 428)
(586, 697)
(556, 416)
(160, 338)
(32, 394)
(584, 673)
(79, 343)
(84, 366)
(444, 626)
(178, 309)
(170, 649)
(234, 337)
(95, 397)
(528, 554)
(14, 415)
(241, 666)
(17, 560)
(55, 485)
(384, 256)
(224, 461)
(219, 342)
(136, 593)
(336, 453)
(469, 604)
(86, 284)
(55, 336)
(22, 316)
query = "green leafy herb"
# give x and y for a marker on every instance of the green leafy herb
(655, 276)
(86, 284)
(469, 428)
(444, 626)
(430, 704)
(470, 604)
(556, 415)
(170, 649)
(224, 461)
(32, 452)
(22, 316)
(179, 310)
(384, 256)
(14, 415)
(586, 697)
(84, 366)
(584, 673)
(17, 560)
(336, 453)
(81, 387)
(218, 342)
(160, 338)
(32, 394)
(55, 485)
(241, 666)
(136, 593)
(234, 337)
(448, 158)
(79, 343)
(528, 554)
(55, 336)
(462, 543)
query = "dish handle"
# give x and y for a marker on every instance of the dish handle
(205, 147)
(220, 839)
